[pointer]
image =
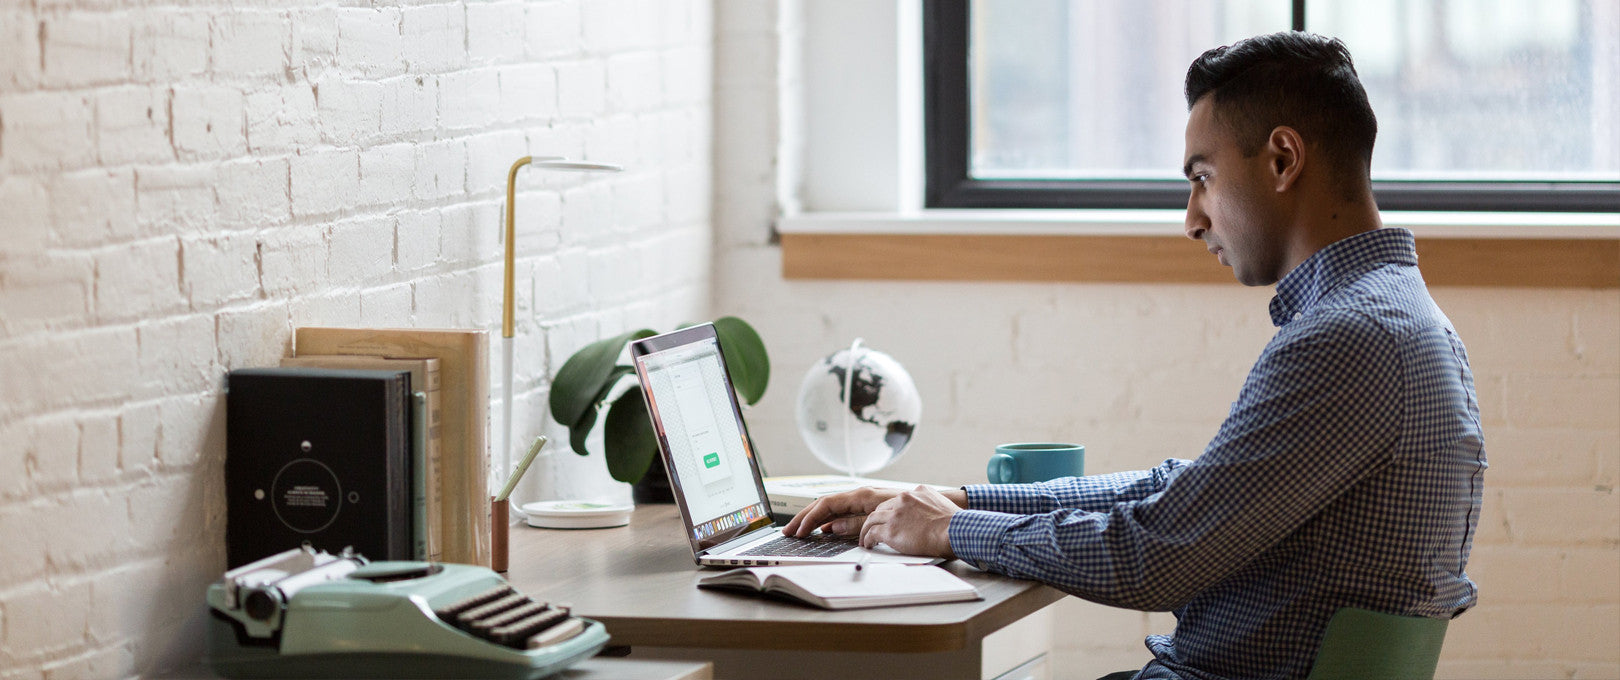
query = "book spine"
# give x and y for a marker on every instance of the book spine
(400, 543)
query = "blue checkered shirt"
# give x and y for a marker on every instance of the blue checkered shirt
(1347, 474)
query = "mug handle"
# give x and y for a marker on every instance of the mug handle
(1003, 469)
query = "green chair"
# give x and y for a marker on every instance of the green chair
(1368, 645)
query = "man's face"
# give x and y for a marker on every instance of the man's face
(1232, 205)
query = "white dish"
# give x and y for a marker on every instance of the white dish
(576, 514)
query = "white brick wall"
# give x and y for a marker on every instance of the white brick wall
(1144, 372)
(182, 183)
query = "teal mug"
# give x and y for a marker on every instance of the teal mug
(1035, 462)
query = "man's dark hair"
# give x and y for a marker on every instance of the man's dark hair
(1301, 80)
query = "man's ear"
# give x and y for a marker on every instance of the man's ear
(1287, 151)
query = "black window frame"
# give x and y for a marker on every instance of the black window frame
(948, 148)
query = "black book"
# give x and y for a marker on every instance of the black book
(317, 456)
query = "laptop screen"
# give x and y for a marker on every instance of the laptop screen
(701, 435)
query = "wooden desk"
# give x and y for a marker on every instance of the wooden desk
(641, 582)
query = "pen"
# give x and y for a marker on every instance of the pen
(862, 564)
(511, 482)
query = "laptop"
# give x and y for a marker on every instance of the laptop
(713, 472)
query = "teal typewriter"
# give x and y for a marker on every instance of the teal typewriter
(309, 614)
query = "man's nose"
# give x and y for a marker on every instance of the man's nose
(1197, 223)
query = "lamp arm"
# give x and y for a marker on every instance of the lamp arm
(507, 298)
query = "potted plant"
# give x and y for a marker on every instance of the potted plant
(587, 380)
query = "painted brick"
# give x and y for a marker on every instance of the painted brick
(434, 38)
(98, 447)
(85, 49)
(19, 62)
(495, 32)
(79, 368)
(336, 308)
(746, 61)
(177, 355)
(169, 45)
(416, 240)
(324, 182)
(581, 89)
(638, 200)
(613, 140)
(634, 82)
(27, 529)
(253, 192)
(292, 260)
(314, 37)
(388, 307)
(687, 75)
(410, 104)
(218, 269)
(94, 534)
(470, 99)
(1588, 575)
(1542, 457)
(138, 431)
(361, 250)
(1542, 517)
(253, 336)
(93, 206)
(386, 173)
(445, 300)
(441, 169)
(138, 280)
(1575, 401)
(1516, 574)
(281, 119)
(209, 123)
(471, 235)
(587, 214)
(132, 126)
(64, 629)
(613, 25)
(350, 110)
(110, 662)
(369, 41)
(649, 141)
(193, 431)
(251, 43)
(171, 509)
(489, 157)
(528, 92)
(552, 29)
(46, 131)
(687, 192)
(28, 208)
(53, 452)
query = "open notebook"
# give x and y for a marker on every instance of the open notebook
(842, 586)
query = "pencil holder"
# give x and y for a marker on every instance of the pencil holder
(498, 525)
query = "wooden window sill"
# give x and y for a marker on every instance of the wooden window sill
(1542, 251)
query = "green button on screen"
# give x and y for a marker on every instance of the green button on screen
(711, 460)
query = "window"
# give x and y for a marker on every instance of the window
(1482, 104)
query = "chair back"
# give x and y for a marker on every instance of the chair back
(1367, 645)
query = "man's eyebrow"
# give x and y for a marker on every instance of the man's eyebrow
(1186, 170)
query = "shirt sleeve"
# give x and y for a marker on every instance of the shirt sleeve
(1094, 492)
(1318, 412)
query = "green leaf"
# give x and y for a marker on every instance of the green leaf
(628, 438)
(580, 379)
(582, 428)
(746, 360)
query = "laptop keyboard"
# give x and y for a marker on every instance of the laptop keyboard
(814, 545)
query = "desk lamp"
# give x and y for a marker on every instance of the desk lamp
(508, 301)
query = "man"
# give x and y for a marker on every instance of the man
(1348, 472)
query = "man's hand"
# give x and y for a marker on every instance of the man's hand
(839, 513)
(914, 522)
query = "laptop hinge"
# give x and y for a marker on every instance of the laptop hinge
(739, 541)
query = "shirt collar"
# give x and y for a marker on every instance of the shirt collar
(1340, 261)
